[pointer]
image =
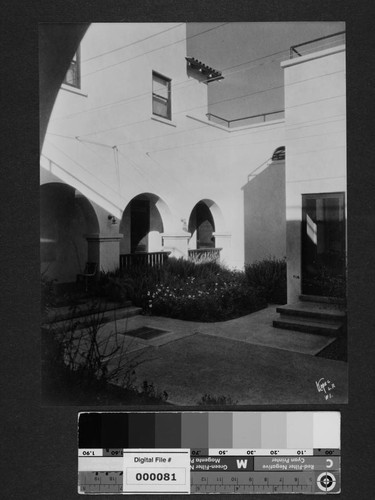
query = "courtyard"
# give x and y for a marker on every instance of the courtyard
(244, 361)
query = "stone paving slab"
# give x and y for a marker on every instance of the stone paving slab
(245, 359)
(255, 328)
(249, 374)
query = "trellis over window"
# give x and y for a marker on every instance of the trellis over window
(73, 75)
(161, 96)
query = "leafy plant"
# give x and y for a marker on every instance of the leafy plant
(114, 286)
(328, 284)
(150, 392)
(208, 400)
(269, 278)
(95, 357)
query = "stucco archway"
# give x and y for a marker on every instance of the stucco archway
(145, 219)
(66, 217)
(205, 220)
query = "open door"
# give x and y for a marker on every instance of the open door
(139, 225)
(323, 244)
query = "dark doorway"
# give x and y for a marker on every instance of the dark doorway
(205, 226)
(323, 244)
(139, 225)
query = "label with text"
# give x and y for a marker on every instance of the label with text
(165, 471)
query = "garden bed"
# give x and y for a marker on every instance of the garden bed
(193, 291)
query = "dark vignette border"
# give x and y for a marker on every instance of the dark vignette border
(38, 443)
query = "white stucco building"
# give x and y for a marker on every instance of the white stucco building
(131, 163)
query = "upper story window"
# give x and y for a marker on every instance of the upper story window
(161, 96)
(73, 75)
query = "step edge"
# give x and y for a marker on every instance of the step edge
(323, 326)
(295, 311)
(322, 299)
(306, 329)
(105, 313)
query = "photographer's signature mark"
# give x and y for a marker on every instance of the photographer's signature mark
(325, 386)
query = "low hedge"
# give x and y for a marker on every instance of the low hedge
(268, 276)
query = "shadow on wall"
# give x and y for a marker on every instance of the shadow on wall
(265, 214)
(142, 225)
(57, 45)
(66, 218)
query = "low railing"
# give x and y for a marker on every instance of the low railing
(151, 259)
(204, 254)
(324, 42)
(261, 118)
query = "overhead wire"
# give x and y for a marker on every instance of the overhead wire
(131, 162)
(303, 124)
(80, 165)
(221, 140)
(233, 130)
(143, 175)
(186, 131)
(214, 103)
(105, 160)
(133, 43)
(190, 109)
(153, 50)
(188, 82)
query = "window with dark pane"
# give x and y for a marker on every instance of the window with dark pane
(73, 75)
(161, 95)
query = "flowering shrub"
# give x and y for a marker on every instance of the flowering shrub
(206, 297)
(191, 291)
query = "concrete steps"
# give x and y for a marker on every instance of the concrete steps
(312, 315)
(322, 299)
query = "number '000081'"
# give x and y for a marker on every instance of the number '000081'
(152, 476)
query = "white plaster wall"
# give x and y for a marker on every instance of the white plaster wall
(315, 141)
(182, 161)
(264, 205)
(115, 103)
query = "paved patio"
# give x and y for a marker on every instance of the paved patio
(245, 359)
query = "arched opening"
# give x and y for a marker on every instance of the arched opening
(202, 227)
(278, 154)
(207, 229)
(66, 217)
(143, 223)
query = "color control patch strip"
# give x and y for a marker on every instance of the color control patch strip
(209, 452)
